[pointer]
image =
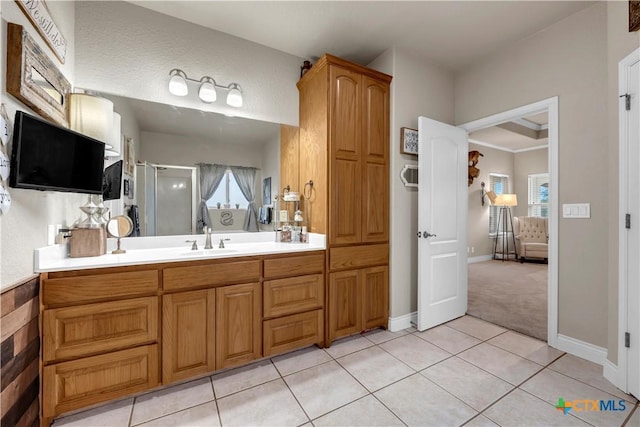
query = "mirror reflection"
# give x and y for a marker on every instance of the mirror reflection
(169, 142)
(44, 84)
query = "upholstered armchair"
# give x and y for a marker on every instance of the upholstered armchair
(531, 236)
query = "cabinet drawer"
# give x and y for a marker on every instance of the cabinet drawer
(293, 266)
(358, 256)
(293, 295)
(219, 273)
(88, 329)
(94, 287)
(84, 382)
(291, 332)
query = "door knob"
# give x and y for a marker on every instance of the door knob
(426, 234)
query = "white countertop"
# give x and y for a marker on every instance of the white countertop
(152, 250)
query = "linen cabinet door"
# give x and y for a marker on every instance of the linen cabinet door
(188, 328)
(345, 315)
(375, 297)
(238, 324)
(375, 180)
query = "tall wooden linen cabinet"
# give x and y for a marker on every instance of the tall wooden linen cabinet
(343, 147)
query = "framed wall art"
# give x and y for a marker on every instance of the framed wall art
(408, 141)
(38, 13)
(33, 78)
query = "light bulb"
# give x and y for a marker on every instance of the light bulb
(207, 91)
(234, 98)
(178, 83)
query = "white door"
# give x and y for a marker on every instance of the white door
(442, 222)
(633, 233)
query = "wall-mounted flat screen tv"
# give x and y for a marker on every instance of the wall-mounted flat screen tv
(112, 181)
(45, 156)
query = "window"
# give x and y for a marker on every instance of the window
(539, 195)
(499, 184)
(228, 193)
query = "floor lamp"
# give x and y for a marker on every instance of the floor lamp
(505, 201)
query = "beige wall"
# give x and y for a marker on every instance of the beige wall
(24, 227)
(568, 60)
(493, 161)
(417, 89)
(524, 164)
(620, 43)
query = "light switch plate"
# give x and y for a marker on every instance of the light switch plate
(576, 210)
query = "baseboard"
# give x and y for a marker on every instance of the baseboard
(405, 321)
(614, 375)
(480, 258)
(590, 352)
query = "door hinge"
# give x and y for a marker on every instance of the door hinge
(627, 221)
(627, 101)
(627, 339)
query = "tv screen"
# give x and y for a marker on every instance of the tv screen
(112, 181)
(50, 157)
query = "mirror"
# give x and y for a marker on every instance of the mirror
(169, 141)
(119, 226)
(33, 78)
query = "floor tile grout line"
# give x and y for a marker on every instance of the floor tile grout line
(517, 387)
(215, 399)
(551, 404)
(304, 411)
(389, 409)
(133, 404)
(635, 409)
(411, 367)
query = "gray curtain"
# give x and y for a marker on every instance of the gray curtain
(246, 179)
(210, 178)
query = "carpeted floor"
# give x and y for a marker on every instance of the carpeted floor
(510, 294)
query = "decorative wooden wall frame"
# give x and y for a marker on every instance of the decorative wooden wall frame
(634, 15)
(38, 14)
(33, 78)
(408, 141)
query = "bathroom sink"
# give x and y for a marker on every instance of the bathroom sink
(208, 252)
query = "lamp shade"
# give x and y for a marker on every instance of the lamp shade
(178, 83)
(91, 115)
(207, 92)
(506, 200)
(115, 139)
(234, 98)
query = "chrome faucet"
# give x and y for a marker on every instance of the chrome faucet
(207, 243)
(194, 247)
(221, 245)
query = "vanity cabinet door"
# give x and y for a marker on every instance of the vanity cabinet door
(188, 327)
(345, 315)
(238, 324)
(375, 297)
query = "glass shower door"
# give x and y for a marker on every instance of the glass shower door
(174, 207)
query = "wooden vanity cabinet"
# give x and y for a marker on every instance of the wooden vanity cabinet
(100, 336)
(344, 149)
(113, 332)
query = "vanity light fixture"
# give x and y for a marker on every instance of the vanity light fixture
(206, 91)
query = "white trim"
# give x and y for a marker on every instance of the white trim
(508, 150)
(405, 321)
(480, 258)
(549, 105)
(623, 83)
(528, 124)
(539, 147)
(612, 373)
(590, 352)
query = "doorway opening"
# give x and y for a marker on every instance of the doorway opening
(495, 278)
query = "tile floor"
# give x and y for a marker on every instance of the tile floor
(466, 372)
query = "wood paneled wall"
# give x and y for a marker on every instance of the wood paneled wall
(19, 351)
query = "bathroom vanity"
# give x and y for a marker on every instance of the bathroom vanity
(116, 325)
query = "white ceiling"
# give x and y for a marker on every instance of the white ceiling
(508, 140)
(452, 34)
